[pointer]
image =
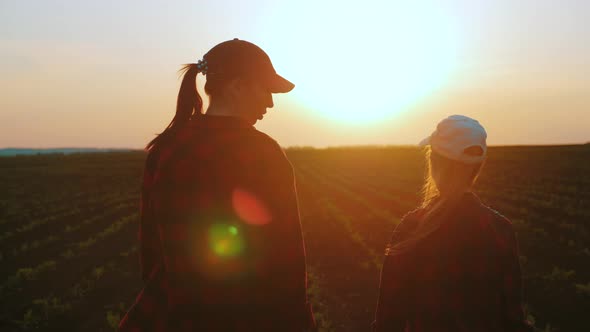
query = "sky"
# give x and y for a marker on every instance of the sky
(104, 73)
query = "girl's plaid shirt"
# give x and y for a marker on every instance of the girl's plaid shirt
(465, 276)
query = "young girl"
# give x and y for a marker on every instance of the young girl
(221, 247)
(452, 264)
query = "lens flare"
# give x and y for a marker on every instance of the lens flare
(250, 208)
(225, 240)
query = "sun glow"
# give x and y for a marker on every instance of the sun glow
(360, 62)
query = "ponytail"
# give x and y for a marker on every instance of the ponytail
(188, 104)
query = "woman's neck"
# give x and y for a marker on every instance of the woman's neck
(220, 109)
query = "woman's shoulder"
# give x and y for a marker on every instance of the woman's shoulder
(269, 151)
(268, 143)
(152, 159)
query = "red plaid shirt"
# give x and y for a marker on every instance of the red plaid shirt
(463, 277)
(221, 247)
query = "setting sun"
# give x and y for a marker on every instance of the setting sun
(368, 62)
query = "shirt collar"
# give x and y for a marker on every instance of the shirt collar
(219, 121)
(468, 197)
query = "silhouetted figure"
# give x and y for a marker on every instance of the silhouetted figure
(453, 263)
(221, 247)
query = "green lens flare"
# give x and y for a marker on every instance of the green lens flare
(224, 240)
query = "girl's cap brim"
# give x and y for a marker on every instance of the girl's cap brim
(425, 141)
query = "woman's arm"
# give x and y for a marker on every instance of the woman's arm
(149, 239)
(286, 244)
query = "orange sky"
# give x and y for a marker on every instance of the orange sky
(376, 72)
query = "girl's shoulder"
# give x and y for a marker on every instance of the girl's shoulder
(410, 220)
(486, 216)
(414, 215)
(499, 224)
(495, 217)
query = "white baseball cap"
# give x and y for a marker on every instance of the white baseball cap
(454, 135)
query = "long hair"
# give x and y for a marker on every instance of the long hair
(445, 183)
(188, 103)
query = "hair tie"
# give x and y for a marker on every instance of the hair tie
(202, 66)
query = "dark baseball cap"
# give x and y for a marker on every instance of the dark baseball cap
(239, 58)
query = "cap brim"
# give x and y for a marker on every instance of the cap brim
(279, 84)
(425, 141)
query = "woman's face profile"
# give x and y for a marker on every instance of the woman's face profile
(251, 100)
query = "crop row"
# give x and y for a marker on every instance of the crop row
(69, 231)
(342, 301)
(66, 215)
(54, 309)
(31, 281)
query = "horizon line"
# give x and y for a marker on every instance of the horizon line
(290, 146)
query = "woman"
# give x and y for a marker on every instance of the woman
(221, 247)
(452, 264)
